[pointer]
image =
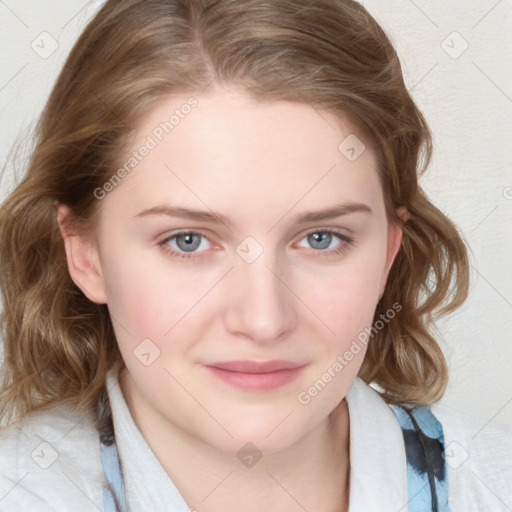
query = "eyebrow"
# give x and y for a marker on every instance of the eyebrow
(217, 218)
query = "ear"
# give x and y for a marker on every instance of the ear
(394, 243)
(83, 259)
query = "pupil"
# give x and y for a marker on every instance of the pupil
(187, 242)
(323, 239)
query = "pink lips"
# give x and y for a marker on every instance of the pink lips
(258, 376)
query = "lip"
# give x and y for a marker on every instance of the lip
(256, 366)
(256, 375)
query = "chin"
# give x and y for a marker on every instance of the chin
(256, 444)
(263, 435)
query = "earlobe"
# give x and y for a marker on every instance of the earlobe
(82, 259)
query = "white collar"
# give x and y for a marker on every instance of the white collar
(147, 484)
(376, 453)
(378, 466)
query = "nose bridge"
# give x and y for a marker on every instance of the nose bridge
(261, 306)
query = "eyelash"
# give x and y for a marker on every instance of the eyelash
(348, 241)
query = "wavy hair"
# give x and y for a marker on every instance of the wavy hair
(58, 345)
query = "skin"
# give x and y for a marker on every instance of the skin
(260, 165)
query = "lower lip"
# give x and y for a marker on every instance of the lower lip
(257, 381)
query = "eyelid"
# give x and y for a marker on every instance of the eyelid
(338, 232)
(346, 240)
(179, 232)
(192, 231)
(341, 232)
(163, 243)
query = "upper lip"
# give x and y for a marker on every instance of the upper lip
(256, 366)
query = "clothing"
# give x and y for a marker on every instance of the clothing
(67, 445)
(427, 480)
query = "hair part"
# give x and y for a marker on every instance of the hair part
(331, 54)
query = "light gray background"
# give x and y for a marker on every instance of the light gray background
(466, 96)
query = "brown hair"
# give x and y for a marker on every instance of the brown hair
(329, 53)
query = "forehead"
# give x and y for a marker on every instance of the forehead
(228, 121)
(229, 149)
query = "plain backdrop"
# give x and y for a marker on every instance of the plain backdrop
(457, 62)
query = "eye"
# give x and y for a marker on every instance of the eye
(322, 241)
(185, 244)
(188, 244)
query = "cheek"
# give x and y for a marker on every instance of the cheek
(346, 297)
(149, 298)
(152, 299)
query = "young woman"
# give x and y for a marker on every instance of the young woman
(219, 244)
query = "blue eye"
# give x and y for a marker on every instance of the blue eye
(321, 240)
(187, 244)
(184, 244)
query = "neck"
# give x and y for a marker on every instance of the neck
(312, 474)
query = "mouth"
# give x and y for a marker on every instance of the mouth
(255, 375)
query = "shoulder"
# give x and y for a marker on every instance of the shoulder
(50, 460)
(478, 456)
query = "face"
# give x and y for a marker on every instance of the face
(240, 256)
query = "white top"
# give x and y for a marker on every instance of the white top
(51, 461)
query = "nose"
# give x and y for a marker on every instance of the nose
(261, 307)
